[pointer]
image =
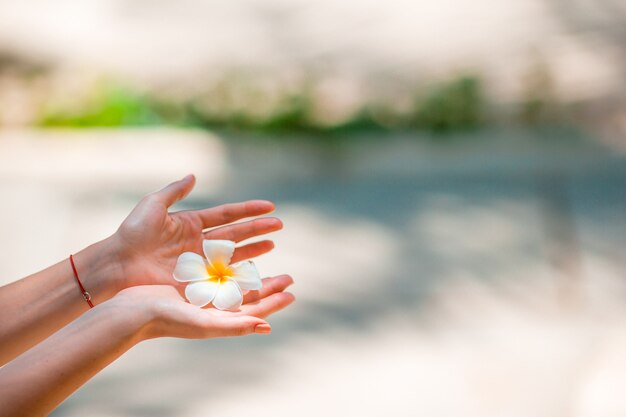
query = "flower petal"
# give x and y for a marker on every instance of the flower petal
(228, 297)
(190, 267)
(218, 251)
(246, 275)
(201, 293)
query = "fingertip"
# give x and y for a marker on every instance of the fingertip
(267, 224)
(263, 206)
(275, 222)
(189, 181)
(289, 296)
(263, 328)
(265, 245)
(174, 191)
(282, 298)
(277, 283)
(285, 279)
(288, 278)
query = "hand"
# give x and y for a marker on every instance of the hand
(168, 314)
(150, 240)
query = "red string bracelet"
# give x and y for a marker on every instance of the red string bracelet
(86, 295)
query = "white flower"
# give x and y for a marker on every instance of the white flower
(214, 279)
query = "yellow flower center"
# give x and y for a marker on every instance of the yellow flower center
(219, 273)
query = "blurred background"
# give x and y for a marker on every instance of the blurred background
(451, 176)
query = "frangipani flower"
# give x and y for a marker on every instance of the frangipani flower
(214, 279)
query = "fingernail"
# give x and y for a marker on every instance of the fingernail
(263, 328)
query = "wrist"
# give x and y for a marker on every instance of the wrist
(133, 317)
(100, 270)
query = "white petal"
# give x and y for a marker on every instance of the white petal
(218, 251)
(228, 296)
(246, 275)
(190, 267)
(201, 293)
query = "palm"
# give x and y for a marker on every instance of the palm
(155, 238)
(177, 318)
(151, 238)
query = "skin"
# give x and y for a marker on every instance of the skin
(129, 276)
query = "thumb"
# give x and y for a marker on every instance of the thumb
(176, 191)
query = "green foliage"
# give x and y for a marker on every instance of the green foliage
(457, 105)
(240, 104)
(108, 106)
(292, 116)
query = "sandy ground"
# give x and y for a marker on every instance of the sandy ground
(434, 281)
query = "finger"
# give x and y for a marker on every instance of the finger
(252, 250)
(238, 326)
(228, 213)
(242, 231)
(270, 286)
(175, 191)
(268, 305)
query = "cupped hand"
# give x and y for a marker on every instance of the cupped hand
(170, 315)
(151, 238)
